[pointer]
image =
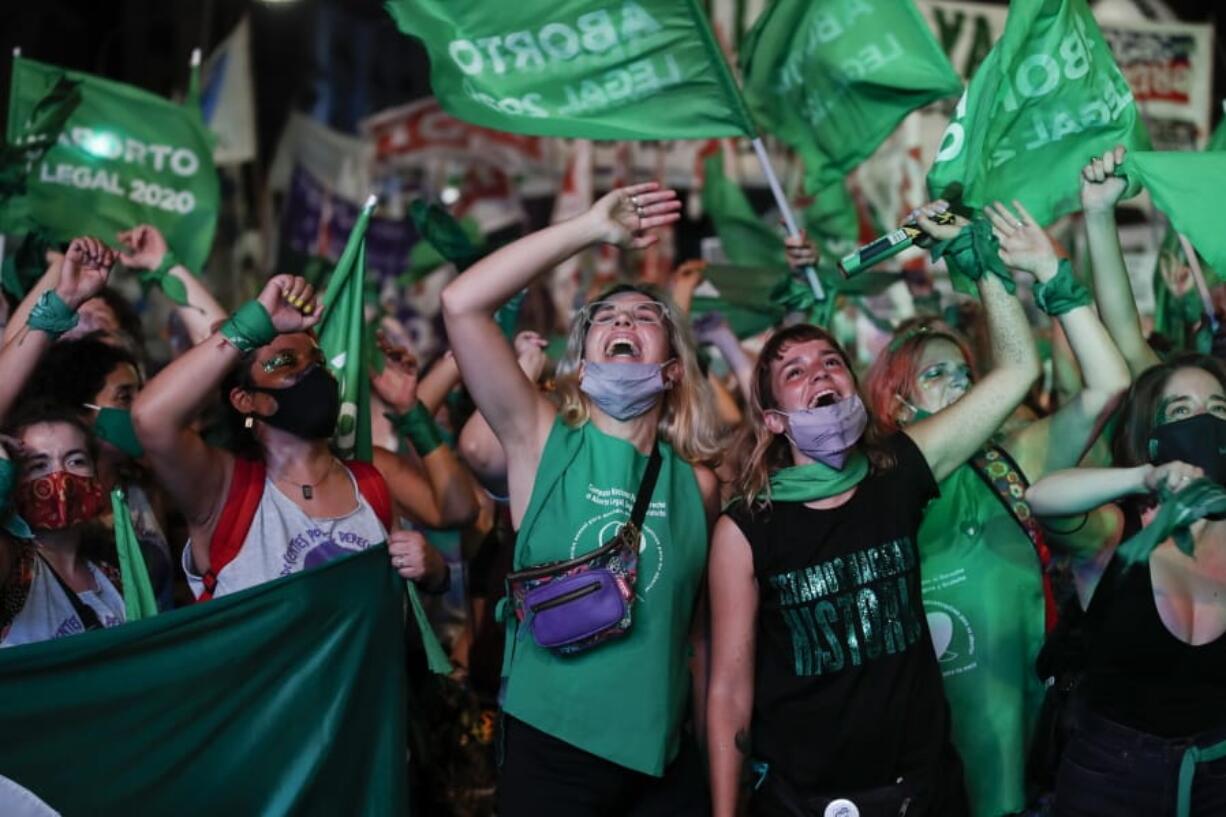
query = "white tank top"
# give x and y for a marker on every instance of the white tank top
(283, 540)
(49, 614)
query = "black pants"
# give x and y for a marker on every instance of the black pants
(543, 776)
(1110, 770)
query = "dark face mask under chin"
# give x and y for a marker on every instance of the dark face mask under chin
(307, 409)
(1199, 441)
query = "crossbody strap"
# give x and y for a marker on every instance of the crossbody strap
(89, 618)
(643, 501)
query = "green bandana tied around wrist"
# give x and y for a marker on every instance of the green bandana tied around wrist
(51, 315)
(249, 328)
(419, 427)
(970, 254)
(9, 520)
(163, 280)
(805, 483)
(1063, 293)
(1174, 518)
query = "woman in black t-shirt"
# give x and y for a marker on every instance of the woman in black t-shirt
(818, 634)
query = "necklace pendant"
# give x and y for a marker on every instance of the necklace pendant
(307, 492)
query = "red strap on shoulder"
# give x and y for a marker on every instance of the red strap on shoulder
(373, 487)
(246, 491)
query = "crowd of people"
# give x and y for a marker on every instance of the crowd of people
(701, 574)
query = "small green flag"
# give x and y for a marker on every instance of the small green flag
(138, 599)
(1047, 98)
(833, 78)
(592, 69)
(746, 239)
(342, 335)
(1187, 186)
(124, 157)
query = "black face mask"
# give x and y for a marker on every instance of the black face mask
(1199, 441)
(309, 408)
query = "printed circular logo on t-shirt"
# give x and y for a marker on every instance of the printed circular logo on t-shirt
(953, 639)
(599, 529)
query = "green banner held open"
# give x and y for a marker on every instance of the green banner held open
(124, 157)
(1046, 98)
(592, 69)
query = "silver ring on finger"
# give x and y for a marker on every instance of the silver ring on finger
(638, 211)
(634, 201)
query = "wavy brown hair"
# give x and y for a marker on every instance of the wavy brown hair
(763, 452)
(1139, 416)
(687, 421)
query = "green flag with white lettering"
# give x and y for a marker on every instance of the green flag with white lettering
(833, 78)
(123, 157)
(1046, 98)
(592, 69)
(343, 338)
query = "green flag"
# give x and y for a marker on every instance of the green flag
(592, 69)
(1187, 186)
(342, 335)
(124, 157)
(746, 239)
(138, 599)
(1047, 97)
(833, 78)
(283, 699)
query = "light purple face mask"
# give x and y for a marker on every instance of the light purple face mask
(623, 390)
(828, 433)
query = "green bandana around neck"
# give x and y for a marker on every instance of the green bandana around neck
(806, 483)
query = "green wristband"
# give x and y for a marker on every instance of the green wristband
(249, 328)
(163, 280)
(9, 520)
(970, 254)
(51, 315)
(1063, 293)
(419, 428)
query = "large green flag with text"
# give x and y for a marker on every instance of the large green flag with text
(284, 699)
(592, 69)
(124, 157)
(1047, 97)
(343, 337)
(833, 78)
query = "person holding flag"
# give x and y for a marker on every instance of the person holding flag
(291, 504)
(596, 728)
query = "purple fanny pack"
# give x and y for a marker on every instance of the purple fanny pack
(573, 605)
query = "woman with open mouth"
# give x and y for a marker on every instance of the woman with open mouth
(823, 677)
(611, 497)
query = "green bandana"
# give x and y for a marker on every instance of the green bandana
(173, 288)
(1063, 293)
(9, 520)
(51, 315)
(249, 328)
(970, 254)
(1175, 515)
(805, 483)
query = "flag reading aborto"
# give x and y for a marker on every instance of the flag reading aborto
(1047, 97)
(586, 69)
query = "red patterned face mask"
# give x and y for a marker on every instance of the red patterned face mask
(59, 500)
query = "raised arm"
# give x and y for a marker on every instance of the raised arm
(1100, 192)
(1077, 490)
(80, 276)
(512, 405)
(195, 474)
(733, 594)
(146, 250)
(1059, 441)
(950, 437)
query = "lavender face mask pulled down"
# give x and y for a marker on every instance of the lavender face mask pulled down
(623, 390)
(828, 433)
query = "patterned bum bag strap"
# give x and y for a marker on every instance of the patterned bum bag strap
(1000, 472)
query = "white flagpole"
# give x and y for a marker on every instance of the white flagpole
(1198, 275)
(789, 219)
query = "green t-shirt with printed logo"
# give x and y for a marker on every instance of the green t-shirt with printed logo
(624, 699)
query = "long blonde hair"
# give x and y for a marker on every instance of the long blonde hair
(687, 421)
(761, 452)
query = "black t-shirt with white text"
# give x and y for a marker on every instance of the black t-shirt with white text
(847, 692)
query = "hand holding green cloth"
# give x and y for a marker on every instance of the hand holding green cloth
(138, 598)
(1046, 97)
(816, 480)
(972, 252)
(1175, 516)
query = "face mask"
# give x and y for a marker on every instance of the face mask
(828, 433)
(623, 390)
(60, 500)
(114, 426)
(309, 408)
(1199, 441)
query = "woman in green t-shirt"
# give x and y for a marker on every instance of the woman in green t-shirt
(599, 732)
